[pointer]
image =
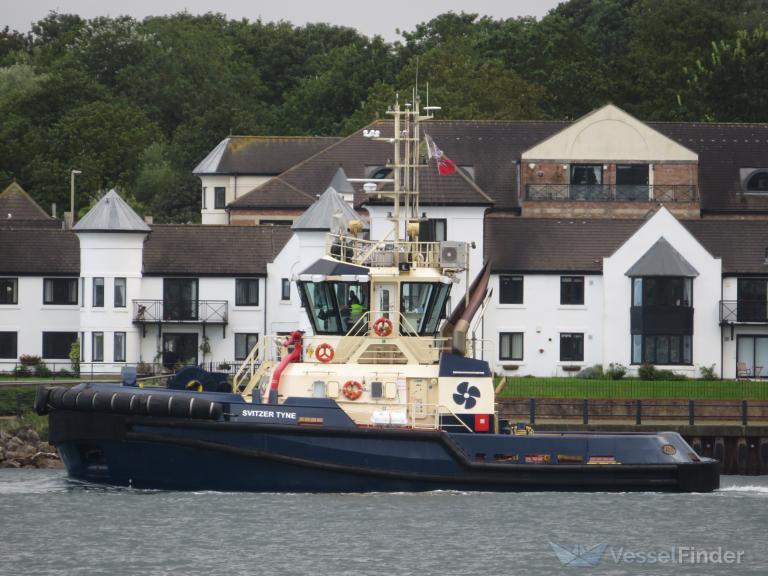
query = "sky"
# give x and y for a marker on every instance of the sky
(381, 18)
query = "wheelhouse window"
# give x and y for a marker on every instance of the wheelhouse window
(56, 345)
(571, 289)
(511, 346)
(244, 343)
(98, 292)
(120, 292)
(422, 305)
(433, 230)
(510, 289)
(8, 345)
(285, 289)
(571, 347)
(61, 291)
(119, 347)
(9, 290)
(219, 198)
(247, 292)
(335, 307)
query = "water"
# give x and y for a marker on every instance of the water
(50, 525)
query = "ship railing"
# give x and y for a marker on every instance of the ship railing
(382, 253)
(263, 355)
(425, 349)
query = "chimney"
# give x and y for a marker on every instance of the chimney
(53, 210)
(68, 221)
(149, 220)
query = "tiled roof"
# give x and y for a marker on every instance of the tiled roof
(16, 204)
(742, 244)
(723, 149)
(206, 250)
(492, 149)
(267, 155)
(538, 245)
(356, 153)
(541, 245)
(39, 252)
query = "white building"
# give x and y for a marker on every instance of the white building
(610, 240)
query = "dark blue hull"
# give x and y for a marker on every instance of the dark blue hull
(317, 449)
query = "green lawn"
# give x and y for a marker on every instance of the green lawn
(635, 389)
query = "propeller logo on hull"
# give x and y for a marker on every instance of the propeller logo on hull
(466, 395)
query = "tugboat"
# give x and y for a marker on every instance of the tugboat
(382, 396)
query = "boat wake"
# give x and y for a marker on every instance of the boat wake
(746, 489)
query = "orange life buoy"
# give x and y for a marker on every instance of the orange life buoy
(383, 327)
(352, 390)
(324, 353)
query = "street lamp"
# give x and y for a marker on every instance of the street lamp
(72, 175)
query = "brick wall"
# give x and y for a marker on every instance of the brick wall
(675, 174)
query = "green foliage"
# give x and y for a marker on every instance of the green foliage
(74, 357)
(42, 371)
(728, 84)
(592, 373)
(616, 371)
(137, 104)
(650, 372)
(708, 372)
(22, 371)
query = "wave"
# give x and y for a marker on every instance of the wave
(754, 489)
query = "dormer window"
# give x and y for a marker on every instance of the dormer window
(758, 181)
(379, 172)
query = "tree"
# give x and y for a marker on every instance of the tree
(728, 86)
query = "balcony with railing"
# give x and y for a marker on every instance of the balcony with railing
(180, 311)
(743, 312)
(670, 193)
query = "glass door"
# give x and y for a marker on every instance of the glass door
(752, 356)
(180, 299)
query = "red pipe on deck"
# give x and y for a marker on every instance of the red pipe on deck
(294, 339)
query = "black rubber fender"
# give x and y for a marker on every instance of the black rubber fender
(55, 397)
(69, 399)
(41, 399)
(84, 400)
(161, 405)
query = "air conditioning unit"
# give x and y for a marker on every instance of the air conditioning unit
(453, 255)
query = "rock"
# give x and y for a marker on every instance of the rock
(45, 447)
(28, 435)
(4, 436)
(10, 464)
(13, 443)
(2, 453)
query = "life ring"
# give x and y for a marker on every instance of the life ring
(383, 327)
(324, 353)
(352, 389)
(194, 385)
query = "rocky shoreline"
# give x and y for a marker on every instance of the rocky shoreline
(23, 448)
